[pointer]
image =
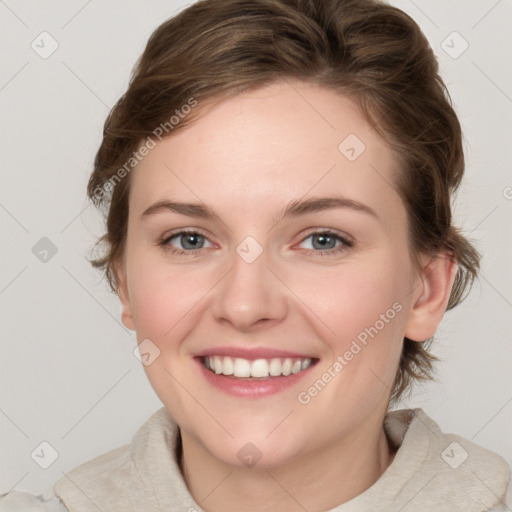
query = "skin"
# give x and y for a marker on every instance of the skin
(247, 158)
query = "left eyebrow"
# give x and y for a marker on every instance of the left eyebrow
(312, 205)
(189, 209)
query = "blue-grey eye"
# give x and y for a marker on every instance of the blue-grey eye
(320, 241)
(186, 241)
(323, 241)
(191, 241)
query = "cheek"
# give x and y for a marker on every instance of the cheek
(363, 309)
(352, 298)
(164, 298)
(165, 303)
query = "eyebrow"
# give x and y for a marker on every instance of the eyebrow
(293, 209)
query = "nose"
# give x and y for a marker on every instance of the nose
(250, 297)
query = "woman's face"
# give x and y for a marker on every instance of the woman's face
(294, 268)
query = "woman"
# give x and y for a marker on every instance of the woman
(277, 180)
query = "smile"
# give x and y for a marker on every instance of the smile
(257, 368)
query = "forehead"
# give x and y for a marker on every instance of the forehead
(260, 148)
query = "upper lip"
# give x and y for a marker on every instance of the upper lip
(252, 353)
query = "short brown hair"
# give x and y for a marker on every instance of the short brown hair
(368, 50)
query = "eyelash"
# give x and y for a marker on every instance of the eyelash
(346, 243)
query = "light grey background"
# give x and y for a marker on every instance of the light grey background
(68, 374)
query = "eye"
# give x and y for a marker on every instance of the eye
(326, 242)
(184, 242)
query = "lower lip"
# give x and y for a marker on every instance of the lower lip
(252, 388)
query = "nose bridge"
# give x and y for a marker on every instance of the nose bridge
(249, 294)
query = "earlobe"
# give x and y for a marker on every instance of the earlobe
(122, 292)
(431, 297)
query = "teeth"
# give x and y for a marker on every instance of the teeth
(258, 368)
(306, 364)
(242, 368)
(287, 367)
(297, 366)
(275, 367)
(217, 364)
(227, 366)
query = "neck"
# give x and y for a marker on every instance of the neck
(315, 481)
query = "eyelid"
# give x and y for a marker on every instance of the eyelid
(344, 237)
(179, 231)
(164, 241)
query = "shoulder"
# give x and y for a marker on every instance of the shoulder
(113, 470)
(128, 477)
(20, 501)
(453, 470)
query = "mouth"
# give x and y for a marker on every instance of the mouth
(256, 376)
(241, 368)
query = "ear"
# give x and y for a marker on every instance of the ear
(122, 292)
(430, 296)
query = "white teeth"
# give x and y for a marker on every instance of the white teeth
(297, 366)
(258, 368)
(227, 366)
(287, 367)
(306, 364)
(242, 368)
(275, 367)
(217, 364)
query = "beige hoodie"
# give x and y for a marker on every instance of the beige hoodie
(431, 471)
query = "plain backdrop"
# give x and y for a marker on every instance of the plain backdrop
(68, 375)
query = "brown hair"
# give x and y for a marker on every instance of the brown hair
(368, 50)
